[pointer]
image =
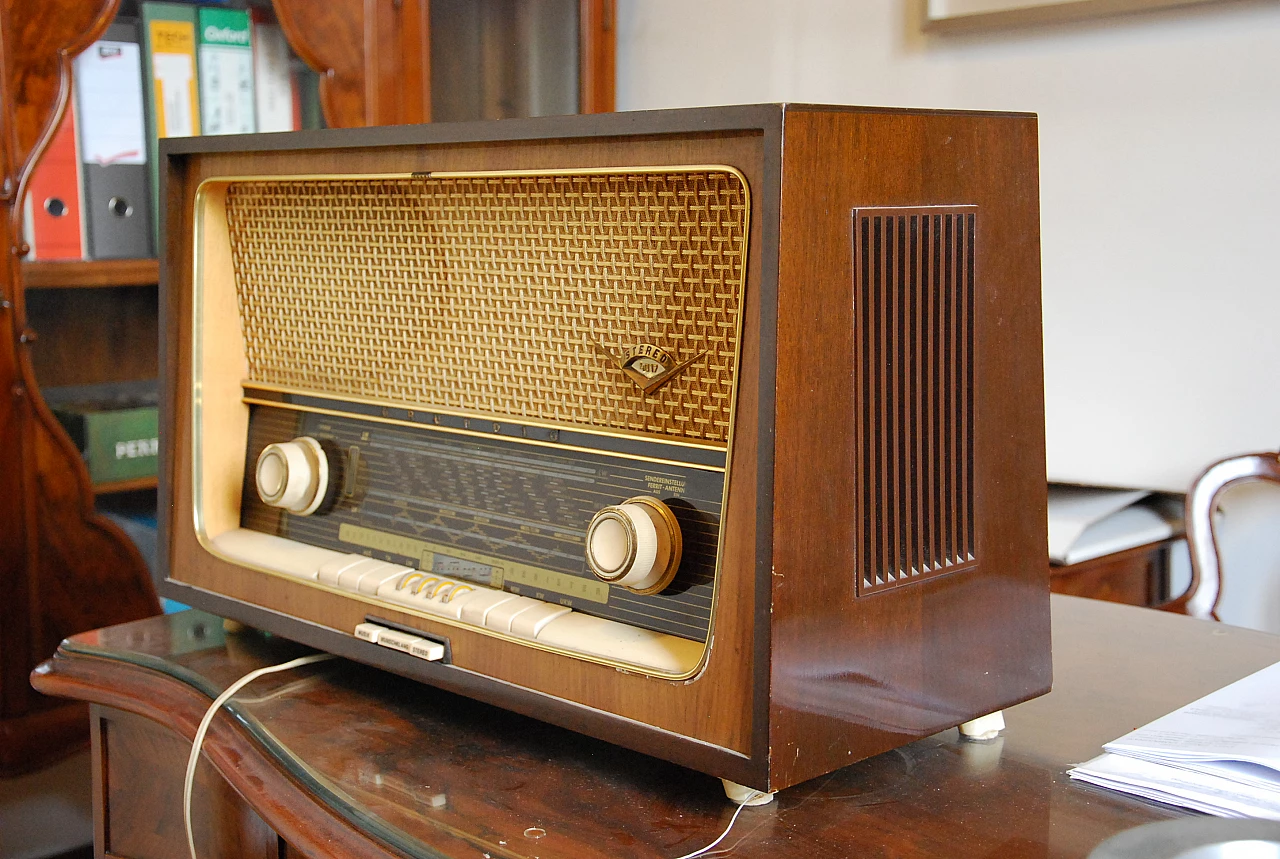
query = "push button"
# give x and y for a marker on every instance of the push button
(529, 623)
(501, 616)
(330, 570)
(475, 610)
(369, 631)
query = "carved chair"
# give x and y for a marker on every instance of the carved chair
(1201, 596)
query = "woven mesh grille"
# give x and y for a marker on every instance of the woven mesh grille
(485, 293)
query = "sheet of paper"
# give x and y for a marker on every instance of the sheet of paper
(1220, 754)
(1072, 509)
(109, 93)
(1174, 786)
(1238, 724)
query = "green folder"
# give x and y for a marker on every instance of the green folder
(170, 83)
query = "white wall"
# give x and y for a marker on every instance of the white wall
(1160, 191)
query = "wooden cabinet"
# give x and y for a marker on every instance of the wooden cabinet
(1137, 576)
(63, 568)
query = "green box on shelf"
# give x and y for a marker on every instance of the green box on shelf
(114, 425)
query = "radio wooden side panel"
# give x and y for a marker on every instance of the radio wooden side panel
(865, 656)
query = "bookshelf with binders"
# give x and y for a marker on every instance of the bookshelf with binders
(171, 69)
(161, 69)
(82, 318)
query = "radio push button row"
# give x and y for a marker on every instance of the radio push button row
(331, 571)
(476, 609)
(370, 631)
(293, 475)
(501, 616)
(451, 604)
(527, 624)
(371, 581)
(635, 544)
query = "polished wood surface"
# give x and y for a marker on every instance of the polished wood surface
(375, 58)
(915, 655)
(598, 51)
(794, 642)
(341, 760)
(1137, 576)
(47, 525)
(70, 274)
(372, 58)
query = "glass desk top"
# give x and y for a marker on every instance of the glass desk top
(431, 774)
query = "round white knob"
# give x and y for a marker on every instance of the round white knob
(293, 475)
(635, 544)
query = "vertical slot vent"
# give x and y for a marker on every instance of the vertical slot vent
(914, 368)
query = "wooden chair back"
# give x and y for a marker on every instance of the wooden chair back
(1201, 596)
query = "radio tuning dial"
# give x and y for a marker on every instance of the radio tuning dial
(635, 544)
(293, 475)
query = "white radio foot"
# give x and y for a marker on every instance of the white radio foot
(984, 727)
(742, 795)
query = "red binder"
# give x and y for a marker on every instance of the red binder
(55, 225)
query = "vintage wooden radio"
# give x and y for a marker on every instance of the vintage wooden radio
(716, 433)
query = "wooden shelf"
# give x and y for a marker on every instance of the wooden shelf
(126, 485)
(90, 273)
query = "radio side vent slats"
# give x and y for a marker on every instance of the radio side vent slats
(914, 368)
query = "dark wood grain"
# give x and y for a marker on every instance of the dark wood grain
(329, 38)
(373, 58)
(854, 674)
(94, 334)
(142, 797)
(62, 568)
(1137, 576)
(451, 777)
(90, 273)
(597, 35)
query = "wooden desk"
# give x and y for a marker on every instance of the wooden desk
(1137, 576)
(341, 760)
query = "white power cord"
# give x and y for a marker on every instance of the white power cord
(725, 834)
(244, 681)
(208, 720)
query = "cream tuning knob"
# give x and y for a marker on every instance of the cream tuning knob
(293, 475)
(635, 544)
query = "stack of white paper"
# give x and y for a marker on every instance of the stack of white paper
(1219, 755)
(1087, 522)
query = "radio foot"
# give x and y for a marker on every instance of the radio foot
(984, 727)
(742, 795)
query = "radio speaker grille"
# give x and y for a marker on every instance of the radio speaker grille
(492, 293)
(913, 311)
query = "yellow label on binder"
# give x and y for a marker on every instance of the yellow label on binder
(173, 72)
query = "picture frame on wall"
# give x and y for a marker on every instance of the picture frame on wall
(943, 15)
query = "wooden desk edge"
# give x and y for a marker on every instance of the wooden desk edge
(276, 795)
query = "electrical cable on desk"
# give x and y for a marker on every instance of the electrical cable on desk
(732, 820)
(235, 687)
(198, 741)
